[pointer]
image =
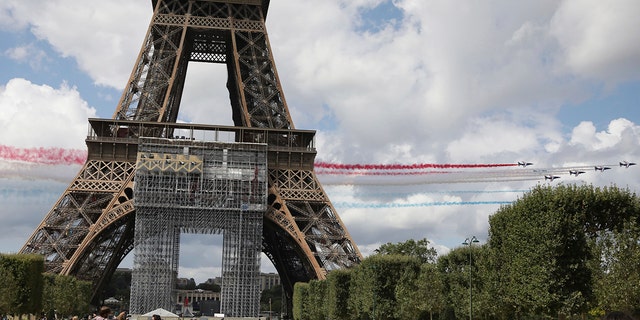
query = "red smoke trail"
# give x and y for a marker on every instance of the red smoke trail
(51, 156)
(60, 156)
(377, 173)
(358, 166)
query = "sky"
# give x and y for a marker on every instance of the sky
(389, 86)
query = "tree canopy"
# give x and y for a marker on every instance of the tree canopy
(543, 249)
(419, 249)
(565, 251)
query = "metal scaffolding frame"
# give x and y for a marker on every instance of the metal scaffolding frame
(182, 185)
(90, 229)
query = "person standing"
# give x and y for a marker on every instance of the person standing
(103, 313)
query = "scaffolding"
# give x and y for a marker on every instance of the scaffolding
(184, 185)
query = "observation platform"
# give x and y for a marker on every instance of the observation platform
(118, 140)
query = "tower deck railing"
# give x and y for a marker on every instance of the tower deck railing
(110, 139)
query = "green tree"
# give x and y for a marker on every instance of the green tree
(300, 297)
(26, 270)
(315, 304)
(337, 294)
(617, 272)
(430, 292)
(119, 286)
(419, 249)
(48, 292)
(456, 276)
(271, 299)
(408, 306)
(209, 286)
(373, 291)
(66, 295)
(538, 240)
(84, 290)
(8, 290)
(540, 247)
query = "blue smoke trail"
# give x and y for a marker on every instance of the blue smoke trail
(353, 205)
(361, 193)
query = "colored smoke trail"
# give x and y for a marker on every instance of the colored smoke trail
(62, 156)
(19, 170)
(374, 191)
(48, 156)
(341, 174)
(414, 166)
(377, 173)
(354, 205)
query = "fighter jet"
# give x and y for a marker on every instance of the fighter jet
(575, 172)
(627, 164)
(524, 164)
(601, 168)
(551, 177)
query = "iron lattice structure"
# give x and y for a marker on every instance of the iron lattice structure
(91, 228)
(198, 187)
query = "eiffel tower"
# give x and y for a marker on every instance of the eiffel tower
(268, 165)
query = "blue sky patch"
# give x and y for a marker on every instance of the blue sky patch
(379, 17)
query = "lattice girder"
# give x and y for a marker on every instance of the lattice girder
(91, 227)
(67, 224)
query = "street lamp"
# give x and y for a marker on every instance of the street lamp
(469, 242)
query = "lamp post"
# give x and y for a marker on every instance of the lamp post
(469, 242)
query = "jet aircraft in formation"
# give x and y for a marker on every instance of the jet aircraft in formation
(524, 164)
(575, 172)
(627, 164)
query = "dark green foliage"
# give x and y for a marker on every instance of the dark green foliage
(26, 271)
(66, 294)
(271, 299)
(565, 252)
(300, 297)
(209, 286)
(541, 250)
(374, 283)
(337, 294)
(315, 304)
(419, 249)
(8, 290)
(617, 272)
(119, 287)
(459, 270)
(430, 293)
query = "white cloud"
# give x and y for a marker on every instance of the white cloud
(417, 84)
(485, 138)
(586, 136)
(405, 86)
(599, 38)
(103, 37)
(41, 116)
(8, 20)
(18, 53)
(30, 54)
